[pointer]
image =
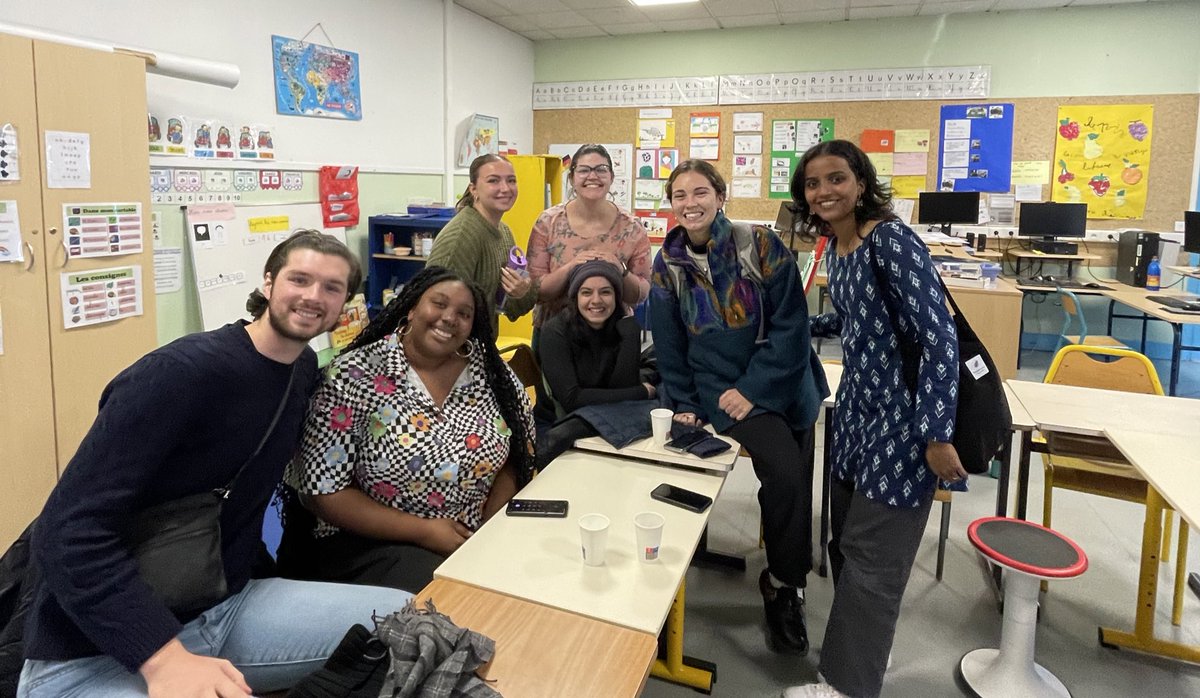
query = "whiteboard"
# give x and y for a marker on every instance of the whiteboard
(228, 258)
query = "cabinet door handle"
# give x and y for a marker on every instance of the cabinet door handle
(29, 260)
(63, 243)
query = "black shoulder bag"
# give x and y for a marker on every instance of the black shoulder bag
(177, 544)
(982, 419)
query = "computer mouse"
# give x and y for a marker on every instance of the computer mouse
(1050, 280)
(1092, 284)
(1036, 277)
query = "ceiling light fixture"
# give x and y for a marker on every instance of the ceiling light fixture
(649, 3)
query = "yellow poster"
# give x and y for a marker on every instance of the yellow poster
(1102, 158)
(907, 186)
(883, 163)
(268, 224)
(1030, 172)
(912, 140)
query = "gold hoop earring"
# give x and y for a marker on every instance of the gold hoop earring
(470, 350)
(405, 330)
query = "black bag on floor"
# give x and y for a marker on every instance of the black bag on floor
(982, 419)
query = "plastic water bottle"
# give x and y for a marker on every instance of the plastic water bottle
(1153, 275)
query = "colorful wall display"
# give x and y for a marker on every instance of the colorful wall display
(1102, 158)
(790, 138)
(975, 150)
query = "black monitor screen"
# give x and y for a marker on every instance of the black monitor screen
(786, 218)
(948, 207)
(1191, 231)
(1053, 220)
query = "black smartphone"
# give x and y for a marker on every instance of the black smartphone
(546, 508)
(687, 499)
(684, 442)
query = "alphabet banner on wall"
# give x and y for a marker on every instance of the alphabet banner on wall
(1102, 155)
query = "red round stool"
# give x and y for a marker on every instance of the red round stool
(1028, 553)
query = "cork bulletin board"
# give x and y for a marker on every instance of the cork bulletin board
(1035, 122)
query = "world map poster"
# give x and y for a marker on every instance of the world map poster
(315, 80)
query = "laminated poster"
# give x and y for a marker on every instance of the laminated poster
(101, 295)
(975, 149)
(12, 248)
(1102, 158)
(102, 230)
(790, 139)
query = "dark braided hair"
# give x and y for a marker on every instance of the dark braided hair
(496, 373)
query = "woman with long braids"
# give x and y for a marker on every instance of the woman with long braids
(419, 433)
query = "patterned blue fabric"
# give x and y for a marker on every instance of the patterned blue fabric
(881, 431)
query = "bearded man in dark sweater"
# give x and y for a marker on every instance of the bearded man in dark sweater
(180, 421)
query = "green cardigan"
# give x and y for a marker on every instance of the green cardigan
(474, 248)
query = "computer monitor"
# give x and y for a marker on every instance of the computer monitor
(1191, 231)
(948, 207)
(785, 221)
(1049, 220)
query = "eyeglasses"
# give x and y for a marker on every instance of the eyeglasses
(598, 170)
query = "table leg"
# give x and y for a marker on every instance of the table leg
(1176, 346)
(1023, 474)
(1111, 304)
(1006, 455)
(1021, 328)
(1145, 324)
(1142, 638)
(672, 665)
(826, 473)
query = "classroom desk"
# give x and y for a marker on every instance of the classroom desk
(994, 314)
(1193, 272)
(1156, 434)
(1148, 310)
(543, 652)
(539, 560)
(1070, 259)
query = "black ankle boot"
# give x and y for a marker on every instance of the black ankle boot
(786, 631)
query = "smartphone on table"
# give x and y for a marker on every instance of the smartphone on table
(686, 499)
(544, 508)
(683, 443)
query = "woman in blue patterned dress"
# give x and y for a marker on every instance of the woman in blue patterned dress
(892, 441)
(418, 434)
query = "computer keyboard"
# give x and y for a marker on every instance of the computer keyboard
(1063, 283)
(1178, 303)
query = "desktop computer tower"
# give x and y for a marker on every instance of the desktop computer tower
(1135, 248)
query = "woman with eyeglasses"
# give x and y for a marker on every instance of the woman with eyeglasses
(588, 226)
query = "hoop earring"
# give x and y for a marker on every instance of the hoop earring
(405, 330)
(470, 350)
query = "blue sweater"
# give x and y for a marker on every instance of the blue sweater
(705, 338)
(179, 421)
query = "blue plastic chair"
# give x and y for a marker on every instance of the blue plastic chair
(1072, 316)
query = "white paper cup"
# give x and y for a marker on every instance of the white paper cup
(649, 528)
(660, 424)
(593, 533)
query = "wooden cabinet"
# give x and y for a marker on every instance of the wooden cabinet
(539, 186)
(51, 378)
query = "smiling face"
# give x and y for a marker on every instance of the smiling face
(306, 295)
(695, 202)
(832, 191)
(591, 177)
(441, 320)
(596, 301)
(495, 189)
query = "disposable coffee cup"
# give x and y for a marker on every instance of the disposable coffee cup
(593, 533)
(660, 424)
(649, 527)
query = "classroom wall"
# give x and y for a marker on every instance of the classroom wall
(1134, 49)
(416, 100)
(1144, 48)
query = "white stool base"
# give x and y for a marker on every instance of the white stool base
(988, 675)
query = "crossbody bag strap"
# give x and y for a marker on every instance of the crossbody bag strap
(223, 492)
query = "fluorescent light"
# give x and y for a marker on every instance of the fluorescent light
(649, 3)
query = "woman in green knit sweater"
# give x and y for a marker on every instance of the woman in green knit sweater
(476, 244)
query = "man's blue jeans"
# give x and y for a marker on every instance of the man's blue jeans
(275, 631)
